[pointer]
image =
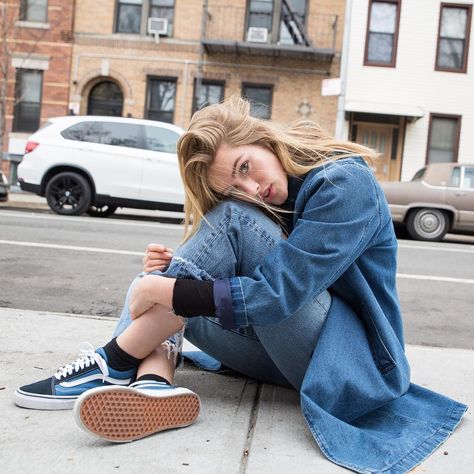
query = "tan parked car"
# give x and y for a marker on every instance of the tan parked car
(439, 199)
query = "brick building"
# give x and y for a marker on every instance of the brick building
(275, 52)
(37, 48)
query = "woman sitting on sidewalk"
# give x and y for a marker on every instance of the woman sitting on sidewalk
(291, 255)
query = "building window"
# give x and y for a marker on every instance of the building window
(163, 9)
(160, 100)
(292, 25)
(443, 138)
(453, 37)
(260, 98)
(27, 111)
(105, 98)
(129, 16)
(34, 10)
(210, 92)
(260, 14)
(382, 33)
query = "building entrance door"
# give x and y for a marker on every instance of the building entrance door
(379, 138)
(105, 98)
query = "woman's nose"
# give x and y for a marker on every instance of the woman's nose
(250, 187)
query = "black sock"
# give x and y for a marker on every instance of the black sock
(118, 359)
(154, 377)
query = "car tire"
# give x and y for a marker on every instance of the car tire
(68, 194)
(427, 224)
(103, 210)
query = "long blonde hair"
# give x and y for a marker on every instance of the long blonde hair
(299, 147)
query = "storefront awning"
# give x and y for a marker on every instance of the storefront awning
(404, 110)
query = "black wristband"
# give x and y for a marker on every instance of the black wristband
(193, 298)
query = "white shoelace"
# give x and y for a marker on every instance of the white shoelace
(88, 357)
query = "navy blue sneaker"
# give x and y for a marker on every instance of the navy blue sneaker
(60, 391)
(122, 414)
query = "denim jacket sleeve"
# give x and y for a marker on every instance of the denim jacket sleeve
(338, 214)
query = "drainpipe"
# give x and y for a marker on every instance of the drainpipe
(341, 103)
(201, 46)
(185, 93)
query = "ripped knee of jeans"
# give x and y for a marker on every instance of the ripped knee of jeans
(174, 347)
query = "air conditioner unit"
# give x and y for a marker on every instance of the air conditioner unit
(158, 26)
(257, 35)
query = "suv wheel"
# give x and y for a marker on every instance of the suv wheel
(68, 194)
(103, 210)
(427, 224)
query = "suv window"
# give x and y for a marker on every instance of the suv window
(106, 133)
(160, 139)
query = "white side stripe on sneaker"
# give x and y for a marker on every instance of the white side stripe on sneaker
(90, 378)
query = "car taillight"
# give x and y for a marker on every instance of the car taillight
(30, 146)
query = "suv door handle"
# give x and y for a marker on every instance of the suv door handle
(460, 194)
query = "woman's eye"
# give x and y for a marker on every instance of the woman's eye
(244, 167)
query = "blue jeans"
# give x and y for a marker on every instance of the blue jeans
(225, 247)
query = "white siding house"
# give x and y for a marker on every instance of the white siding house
(410, 82)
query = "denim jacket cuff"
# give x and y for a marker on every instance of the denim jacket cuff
(223, 303)
(229, 303)
(238, 303)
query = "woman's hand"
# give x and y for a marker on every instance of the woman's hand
(151, 290)
(157, 257)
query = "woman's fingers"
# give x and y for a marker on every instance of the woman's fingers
(149, 269)
(157, 257)
(158, 248)
(156, 263)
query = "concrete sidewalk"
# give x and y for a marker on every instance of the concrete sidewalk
(244, 426)
(23, 200)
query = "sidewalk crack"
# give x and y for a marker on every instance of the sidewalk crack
(251, 428)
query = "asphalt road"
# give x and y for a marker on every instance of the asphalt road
(84, 265)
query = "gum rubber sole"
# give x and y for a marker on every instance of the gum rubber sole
(122, 415)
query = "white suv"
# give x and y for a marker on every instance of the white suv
(95, 164)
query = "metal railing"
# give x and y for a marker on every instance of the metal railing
(228, 23)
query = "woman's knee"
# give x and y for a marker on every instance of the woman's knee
(245, 215)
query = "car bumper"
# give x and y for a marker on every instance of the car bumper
(31, 188)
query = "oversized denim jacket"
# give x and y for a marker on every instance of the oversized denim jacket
(356, 395)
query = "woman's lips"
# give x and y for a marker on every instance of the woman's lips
(268, 193)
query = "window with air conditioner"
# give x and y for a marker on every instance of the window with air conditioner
(260, 14)
(158, 26)
(163, 9)
(257, 35)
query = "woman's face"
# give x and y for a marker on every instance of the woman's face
(250, 169)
